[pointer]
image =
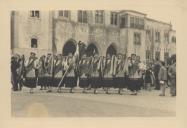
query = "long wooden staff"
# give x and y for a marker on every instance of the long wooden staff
(63, 76)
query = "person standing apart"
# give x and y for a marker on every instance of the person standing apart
(162, 77)
(14, 74)
(172, 76)
(149, 78)
(156, 71)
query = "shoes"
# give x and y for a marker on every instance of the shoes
(95, 91)
(134, 93)
(161, 95)
(70, 91)
(49, 91)
(83, 91)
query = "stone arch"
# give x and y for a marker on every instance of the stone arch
(69, 47)
(112, 49)
(93, 48)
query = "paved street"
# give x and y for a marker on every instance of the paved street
(42, 104)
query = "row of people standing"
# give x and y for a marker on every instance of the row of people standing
(95, 71)
(89, 72)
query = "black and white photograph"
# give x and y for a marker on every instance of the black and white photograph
(92, 63)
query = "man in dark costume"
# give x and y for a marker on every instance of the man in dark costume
(156, 71)
(172, 75)
(14, 75)
(21, 72)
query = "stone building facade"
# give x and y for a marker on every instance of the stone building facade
(112, 32)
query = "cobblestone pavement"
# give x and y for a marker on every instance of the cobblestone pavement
(77, 104)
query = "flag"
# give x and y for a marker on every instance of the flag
(76, 55)
(54, 48)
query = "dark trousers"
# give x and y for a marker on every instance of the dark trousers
(157, 84)
(14, 81)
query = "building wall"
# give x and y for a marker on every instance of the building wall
(32, 27)
(138, 49)
(162, 46)
(102, 35)
(99, 34)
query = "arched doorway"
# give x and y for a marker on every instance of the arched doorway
(91, 50)
(111, 50)
(69, 47)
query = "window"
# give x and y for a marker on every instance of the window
(136, 23)
(132, 22)
(173, 39)
(35, 14)
(166, 37)
(157, 55)
(148, 54)
(141, 23)
(113, 18)
(34, 43)
(157, 36)
(123, 22)
(82, 16)
(64, 13)
(137, 38)
(148, 34)
(99, 16)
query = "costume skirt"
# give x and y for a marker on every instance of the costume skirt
(56, 81)
(30, 82)
(84, 82)
(45, 81)
(70, 81)
(107, 82)
(134, 84)
(96, 82)
(120, 82)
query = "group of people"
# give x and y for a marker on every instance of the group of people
(113, 71)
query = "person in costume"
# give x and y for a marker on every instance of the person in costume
(119, 78)
(58, 72)
(133, 69)
(70, 79)
(108, 73)
(96, 75)
(41, 72)
(48, 73)
(30, 72)
(84, 72)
